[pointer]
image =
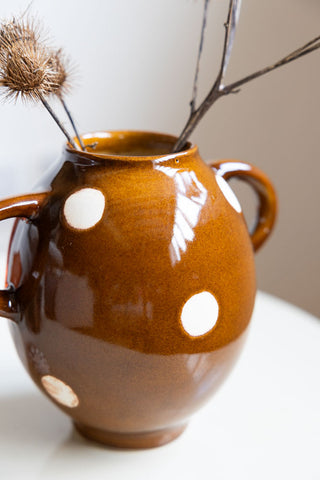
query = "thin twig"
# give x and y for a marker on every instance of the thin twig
(55, 118)
(195, 82)
(284, 61)
(218, 90)
(72, 123)
(195, 114)
(305, 46)
(230, 32)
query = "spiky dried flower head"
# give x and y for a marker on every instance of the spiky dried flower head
(27, 66)
(24, 60)
(19, 29)
(25, 71)
(61, 70)
(30, 70)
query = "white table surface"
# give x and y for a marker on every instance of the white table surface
(263, 423)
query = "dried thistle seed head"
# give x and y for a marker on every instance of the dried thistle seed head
(60, 68)
(18, 29)
(38, 70)
(24, 71)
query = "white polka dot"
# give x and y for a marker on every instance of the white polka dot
(60, 391)
(84, 208)
(200, 314)
(228, 193)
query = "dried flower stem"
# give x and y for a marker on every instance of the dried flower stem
(55, 118)
(219, 90)
(72, 123)
(61, 66)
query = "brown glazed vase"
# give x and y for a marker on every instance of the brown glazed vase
(131, 282)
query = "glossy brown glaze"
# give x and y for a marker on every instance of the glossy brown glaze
(132, 283)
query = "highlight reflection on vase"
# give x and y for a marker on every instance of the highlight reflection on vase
(191, 196)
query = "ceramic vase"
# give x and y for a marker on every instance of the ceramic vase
(131, 282)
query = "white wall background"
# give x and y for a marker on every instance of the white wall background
(136, 62)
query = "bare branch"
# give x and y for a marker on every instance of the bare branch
(304, 47)
(195, 82)
(218, 90)
(230, 31)
(300, 52)
(196, 115)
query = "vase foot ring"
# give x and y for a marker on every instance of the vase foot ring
(151, 439)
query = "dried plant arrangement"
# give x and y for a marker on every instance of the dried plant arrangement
(31, 70)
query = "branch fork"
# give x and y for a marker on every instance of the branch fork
(219, 90)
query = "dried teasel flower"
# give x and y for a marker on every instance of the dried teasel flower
(17, 29)
(25, 73)
(60, 65)
(27, 70)
(61, 69)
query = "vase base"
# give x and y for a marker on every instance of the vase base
(151, 439)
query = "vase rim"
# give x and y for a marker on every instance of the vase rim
(130, 145)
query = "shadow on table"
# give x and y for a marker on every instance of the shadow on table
(30, 420)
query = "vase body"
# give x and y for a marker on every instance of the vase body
(133, 283)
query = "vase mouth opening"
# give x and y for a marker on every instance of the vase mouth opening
(129, 145)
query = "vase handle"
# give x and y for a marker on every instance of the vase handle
(25, 206)
(264, 189)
